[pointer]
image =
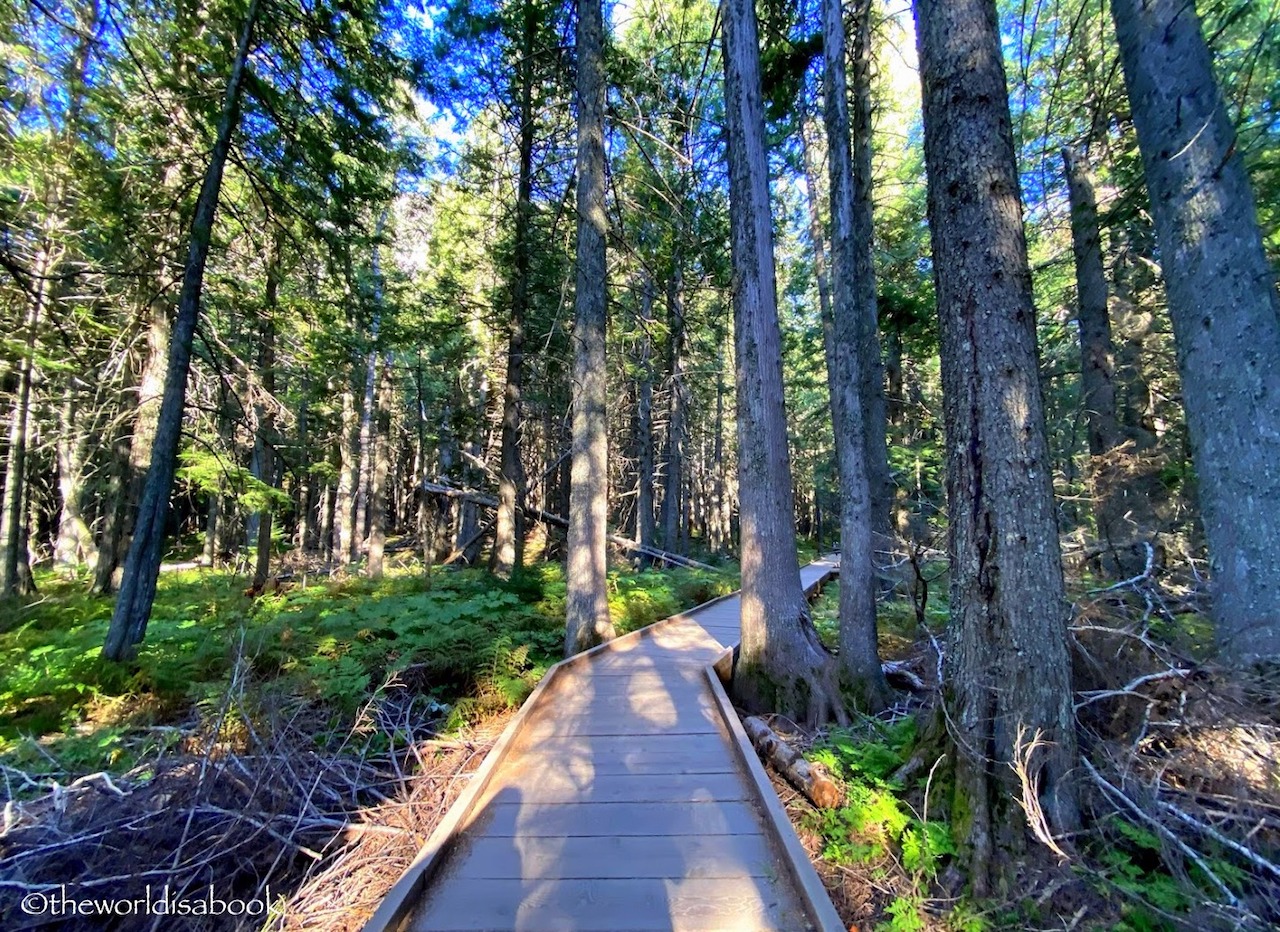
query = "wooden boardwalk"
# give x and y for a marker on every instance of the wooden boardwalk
(624, 795)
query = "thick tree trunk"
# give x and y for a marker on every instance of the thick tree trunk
(859, 660)
(1224, 308)
(142, 567)
(587, 606)
(782, 665)
(1010, 669)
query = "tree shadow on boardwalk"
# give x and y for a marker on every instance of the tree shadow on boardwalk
(620, 806)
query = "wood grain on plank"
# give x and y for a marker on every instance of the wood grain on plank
(631, 904)
(680, 857)
(508, 815)
(546, 785)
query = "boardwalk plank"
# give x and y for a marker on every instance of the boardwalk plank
(556, 785)
(509, 815)
(680, 857)
(616, 905)
(621, 803)
(627, 754)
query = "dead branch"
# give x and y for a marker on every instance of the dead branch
(808, 778)
(1160, 828)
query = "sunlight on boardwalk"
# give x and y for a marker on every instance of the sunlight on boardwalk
(621, 801)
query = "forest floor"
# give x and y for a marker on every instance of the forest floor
(1180, 780)
(287, 753)
(294, 750)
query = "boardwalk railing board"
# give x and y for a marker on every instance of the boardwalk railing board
(616, 792)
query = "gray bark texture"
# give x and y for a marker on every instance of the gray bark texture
(587, 604)
(1010, 670)
(782, 665)
(142, 566)
(1224, 308)
(859, 660)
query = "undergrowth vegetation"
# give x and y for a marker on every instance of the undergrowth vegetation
(463, 641)
(1179, 777)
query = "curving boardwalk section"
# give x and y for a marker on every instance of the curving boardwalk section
(623, 796)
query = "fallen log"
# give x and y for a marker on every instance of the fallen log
(808, 778)
(488, 501)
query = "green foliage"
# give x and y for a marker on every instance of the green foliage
(1131, 860)
(475, 644)
(211, 474)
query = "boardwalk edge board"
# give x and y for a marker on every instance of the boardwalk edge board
(405, 894)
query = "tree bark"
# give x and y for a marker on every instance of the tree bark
(674, 460)
(344, 520)
(75, 541)
(871, 370)
(859, 660)
(1122, 511)
(13, 550)
(263, 449)
(587, 606)
(782, 665)
(645, 525)
(509, 531)
(381, 470)
(1224, 308)
(1010, 669)
(142, 567)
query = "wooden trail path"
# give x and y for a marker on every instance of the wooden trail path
(623, 796)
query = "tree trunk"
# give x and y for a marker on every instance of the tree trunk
(12, 532)
(344, 519)
(674, 466)
(782, 665)
(645, 525)
(587, 605)
(1224, 308)
(381, 469)
(263, 449)
(1010, 669)
(1121, 509)
(871, 373)
(75, 541)
(142, 567)
(509, 532)
(859, 659)
(720, 498)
